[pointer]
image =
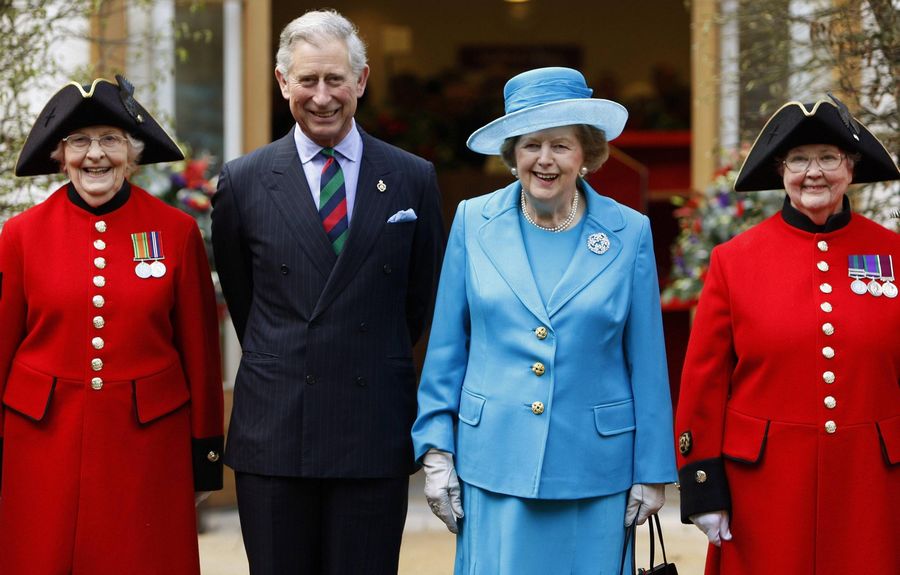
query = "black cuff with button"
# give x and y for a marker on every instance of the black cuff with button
(703, 488)
(207, 458)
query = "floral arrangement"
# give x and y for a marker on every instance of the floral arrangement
(709, 218)
(187, 186)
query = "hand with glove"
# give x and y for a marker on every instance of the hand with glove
(442, 487)
(644, 500)
(714, 525)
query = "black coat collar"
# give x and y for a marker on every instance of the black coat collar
(112, 205)
(801, 221)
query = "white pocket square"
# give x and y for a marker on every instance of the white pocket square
(408, 215)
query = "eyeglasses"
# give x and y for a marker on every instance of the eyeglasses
(827, 162)
(81, 142)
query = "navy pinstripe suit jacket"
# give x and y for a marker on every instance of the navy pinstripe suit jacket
(326, 385)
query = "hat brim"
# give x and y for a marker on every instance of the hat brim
(103, 104)
(795, 124)
(605, 115)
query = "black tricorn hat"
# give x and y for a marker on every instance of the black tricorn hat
(825, 122)
(103, 103)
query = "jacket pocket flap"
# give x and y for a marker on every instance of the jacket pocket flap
(889, 431)
(161, 393)
(470, 407)
(614, 418)
(28, 391)
(745, 437)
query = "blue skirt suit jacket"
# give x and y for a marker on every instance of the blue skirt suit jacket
(566, 400)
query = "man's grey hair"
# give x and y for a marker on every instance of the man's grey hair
(315, 26)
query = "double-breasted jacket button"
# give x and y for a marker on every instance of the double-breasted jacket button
(387, 269)
(99, 281)
(98, 301)
(826, 307)
(827, 328)
(828, 377)
(310, 380)
(96, 384)
(212, 456)
(830, 402)
(823, 266)
(98, 343)
(361, 381)
(100, 245)
(830, 426)
(537, 408)
(99, 322)
(700, 476)
(284, 270)
(828, 352)
(822, 245)
(825, 288)
(100, 263)
(540, 332)
(538, 368)
(363, 327)
(96, 364)
(100, 226)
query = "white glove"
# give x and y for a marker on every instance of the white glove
(442, 487)
(644, 500)
(714, 524)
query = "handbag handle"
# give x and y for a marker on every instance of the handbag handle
(655, 519)
(630, 533)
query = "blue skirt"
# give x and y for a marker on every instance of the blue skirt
(506, 535)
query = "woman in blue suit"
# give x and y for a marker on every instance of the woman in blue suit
(545, 384)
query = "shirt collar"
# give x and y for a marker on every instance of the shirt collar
(350, 148)
(801, 221)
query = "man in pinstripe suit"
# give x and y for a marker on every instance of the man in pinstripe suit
(325, 394)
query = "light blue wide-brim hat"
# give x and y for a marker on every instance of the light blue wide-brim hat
(547, 98)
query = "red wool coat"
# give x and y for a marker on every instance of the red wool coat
(109, 383)
(789, 412)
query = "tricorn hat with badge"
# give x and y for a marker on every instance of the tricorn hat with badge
(103, 103)
(825, 122)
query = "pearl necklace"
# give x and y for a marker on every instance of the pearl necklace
(555, 229)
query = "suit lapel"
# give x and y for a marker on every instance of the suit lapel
(501, 240)
(368, 218)
(603, 217)
(289, 189)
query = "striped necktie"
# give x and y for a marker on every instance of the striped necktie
(333, 201)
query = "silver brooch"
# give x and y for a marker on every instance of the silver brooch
(598, 243)
(381, 186)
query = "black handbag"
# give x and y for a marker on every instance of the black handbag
(664, 568)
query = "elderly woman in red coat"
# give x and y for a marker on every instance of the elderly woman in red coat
(111, 415)
(788, 420)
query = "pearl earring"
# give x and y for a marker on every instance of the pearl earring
(514, 172)
(583, 171)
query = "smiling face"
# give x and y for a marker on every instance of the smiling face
(97, 173)
(548, 162)
(815, 192)
(322, 90)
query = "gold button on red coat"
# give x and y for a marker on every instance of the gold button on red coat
(538, 368)
(828, 352)
(823, 246)
(537, 408)
(100, 226)
(827, 329)
(99, 322)
(830, 426)
(825, 288)
(100, 263)
(823, 266)
(830, 402)
(96, 384)
(828, 377)
(100, 244)
(96, 364)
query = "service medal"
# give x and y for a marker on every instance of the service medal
(888, 289)
(142, 270)
(856, 269)
(157, 269)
